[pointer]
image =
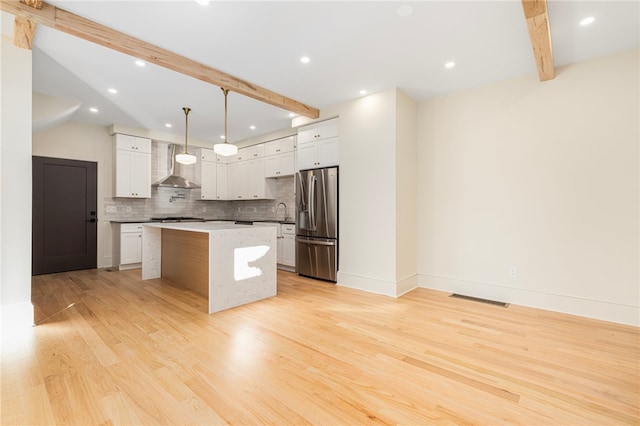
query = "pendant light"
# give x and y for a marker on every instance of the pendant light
(186, 158)
(225, 149)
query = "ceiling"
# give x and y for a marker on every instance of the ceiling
(352, 45)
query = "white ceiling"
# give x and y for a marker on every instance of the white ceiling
(353, 45)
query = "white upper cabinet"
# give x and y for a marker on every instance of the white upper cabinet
(207, 173)
(279, 165)
(280, 157)
(318, 145)
(132, 166)
(133, 143)
(316, 131)
(280, 146)
(222, 181)
(249, 153)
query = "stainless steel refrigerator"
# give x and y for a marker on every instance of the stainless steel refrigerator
(317, 223)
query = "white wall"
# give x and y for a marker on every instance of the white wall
(371, 193)
(15, 184)
(406, 191)
(85, 142)
(541, 176)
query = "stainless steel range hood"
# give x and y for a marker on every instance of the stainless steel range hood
(173, 180)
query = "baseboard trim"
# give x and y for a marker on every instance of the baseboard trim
(378, 286)
(601, 310)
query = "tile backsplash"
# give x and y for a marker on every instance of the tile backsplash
(185, 202)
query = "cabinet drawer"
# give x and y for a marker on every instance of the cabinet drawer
(289, 229)
(130, 227)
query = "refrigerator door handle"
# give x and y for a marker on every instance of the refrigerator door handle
(315, 242)
(312, 202)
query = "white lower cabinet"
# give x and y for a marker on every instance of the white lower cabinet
(288, 251)
(127, 244)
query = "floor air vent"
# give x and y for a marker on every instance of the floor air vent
(477, 299)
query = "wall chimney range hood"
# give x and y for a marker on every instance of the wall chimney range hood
(173, 180)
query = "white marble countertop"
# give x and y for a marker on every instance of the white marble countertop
(197, 226)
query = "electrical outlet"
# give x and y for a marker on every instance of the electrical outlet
(128, 209)
(112, 209)
(513, 272)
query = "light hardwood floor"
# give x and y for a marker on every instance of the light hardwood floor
(128, 351)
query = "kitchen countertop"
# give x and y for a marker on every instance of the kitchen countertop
(286, 222)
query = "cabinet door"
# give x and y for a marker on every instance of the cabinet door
(238, 180)
(328, 129)
(255, 179)
(317, 131)
(328, 152)
(307, 133)
(133, 143)
(307, 156)
(141, 175)
(279, 248)
(222, 182)
(130, 247)
(124, 169)
(279, 146)
(286, 164)
(272, 166)
(288, 250)
(208, 180)
(279, 165)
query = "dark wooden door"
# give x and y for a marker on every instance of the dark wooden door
(64, 215)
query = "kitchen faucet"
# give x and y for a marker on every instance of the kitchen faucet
(285, 209)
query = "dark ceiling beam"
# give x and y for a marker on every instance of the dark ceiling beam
(86, 29)
(537, 16)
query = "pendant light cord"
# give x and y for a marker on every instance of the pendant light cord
(186, 129)
(226, 92)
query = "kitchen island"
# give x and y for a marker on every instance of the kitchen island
(229, 264)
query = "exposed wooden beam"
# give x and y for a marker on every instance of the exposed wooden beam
(537, 16)
(23, 32)
(86, 29)
(34, 3)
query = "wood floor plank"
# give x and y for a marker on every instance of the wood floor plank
(113, 349)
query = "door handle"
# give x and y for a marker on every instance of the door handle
(92, 220)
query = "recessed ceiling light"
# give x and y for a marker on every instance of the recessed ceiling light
(252, 127)
(405, 10)
(140, 63)
(363, 92)
(305, 59)
(168, 125)
(203, 2)
(113, 91)
(292, 114)
(450, 64)
(94, 110)
(587, 21)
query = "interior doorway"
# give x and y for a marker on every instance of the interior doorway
(64, 215)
